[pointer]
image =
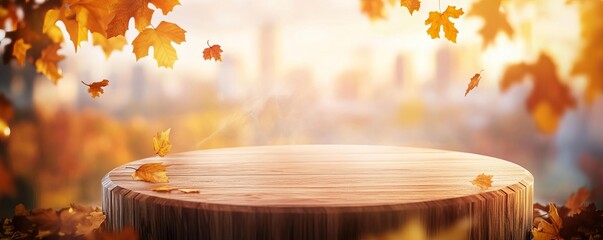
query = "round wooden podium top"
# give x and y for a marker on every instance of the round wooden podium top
(322, 176)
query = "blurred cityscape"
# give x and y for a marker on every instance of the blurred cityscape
(295, 74)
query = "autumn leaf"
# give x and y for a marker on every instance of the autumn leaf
(412, 5)
(20, 51)
(483, 181)
(45, 219)
(47, 64)
(549, 98)
(494, 20)
(109, 45)
(151, 172)
(576, 202)
(213, 51)
(545, 230)
(161, 143)
(7, 184)
(124, 11)
(96, 88)
(188, 190)
(474, 82)
(92, 221)
(439, 20)
(373, 9)
(166, 6)
(164, 189)
(160, 39)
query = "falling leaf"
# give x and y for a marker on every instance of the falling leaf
(549, 98)
(161, 143)
(188, 190)
(545, 230)
(439, 20)
(151, 172)
(495, 21)
(372, 8)
(576, 202)
(7, 184)
(412, 5)
(96, 88)
(116, 43)
(20, 51)
(47, 64)
(483, 181)
(213, 51)
(164, 189)
(474, 82)
(160, 39)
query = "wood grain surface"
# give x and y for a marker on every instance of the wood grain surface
(320, 192)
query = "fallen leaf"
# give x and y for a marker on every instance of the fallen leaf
(474, 82)
(549, 98)
(189, 190)
(20, 210)
(439, 20)
(213, 51)
(160, 39)
(494, 20)
(411, 5)
(576, 202)
(161, 143)
(45, 219)
(91, 222)
(116, 43)
(20, 51)
(164, 189)
(545, 230)
(96, 88)
(483, 181)
(47, 64)
(373, 9)
(151, 172)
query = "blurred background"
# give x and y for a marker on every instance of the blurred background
(302, 72)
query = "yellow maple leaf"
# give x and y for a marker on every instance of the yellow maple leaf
(50, 28)
(373, 9)
(166, 6)
(126, 9)
(20, 51)
(151, 172)
(116, 43)
(439, 20)
(164, 189)
(160, 39)
(47, 63)
(545, 230)
(96, 88)
(483, 181)
(474, 82)
(412, 5)
(161, 143)
(575, 202)
(495, 21)
(213, 51)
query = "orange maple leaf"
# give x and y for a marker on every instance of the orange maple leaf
(545, 230)
(549, 99)
(439, 20)
(474, 82)
(373, 9)
(575, 202)
(213, 51)
(494, 20)
(47, 63)
(483, 181)
(20, 51)
(160, 39)
(151, 172)
(412, 5)
(166, 6)
(126, 9)
(96, 88)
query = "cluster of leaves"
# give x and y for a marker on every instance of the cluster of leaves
(574, 220)
(72, 223)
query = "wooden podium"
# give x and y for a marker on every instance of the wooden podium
(320, 192)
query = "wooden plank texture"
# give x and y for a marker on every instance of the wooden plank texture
(320, 192)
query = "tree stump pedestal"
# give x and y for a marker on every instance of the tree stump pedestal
(320, 192)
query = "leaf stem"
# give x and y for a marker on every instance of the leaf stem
(85, 83)
(152, 25)
(208, 43)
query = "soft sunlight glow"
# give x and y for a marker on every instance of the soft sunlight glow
(497, 57)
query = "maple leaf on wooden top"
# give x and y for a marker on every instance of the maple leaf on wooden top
(483, 181)
(494, 20)
(160, 39)
(96, 88)
(439, 20)
(545, 230)
(411, 5)
(373, 9)
(474, 82)
(20, 51)
(151, 172)
(576, 202)
(213, 51)
(161, 143)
